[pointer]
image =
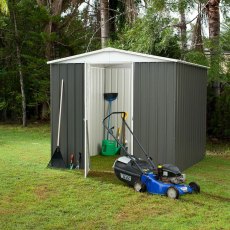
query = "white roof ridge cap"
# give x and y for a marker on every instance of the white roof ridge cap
(109, 48)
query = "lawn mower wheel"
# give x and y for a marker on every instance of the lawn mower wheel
(172, 193)
(195, 187)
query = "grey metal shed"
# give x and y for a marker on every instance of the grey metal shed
(165, 99)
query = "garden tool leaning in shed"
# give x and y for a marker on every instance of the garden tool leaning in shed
(124, 140)
(57, 159)
(109, 147)
(110, 97)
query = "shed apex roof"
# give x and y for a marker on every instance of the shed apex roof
(112, 55)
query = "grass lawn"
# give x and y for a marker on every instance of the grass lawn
(35, 197)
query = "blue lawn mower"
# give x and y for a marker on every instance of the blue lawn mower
(143, 175)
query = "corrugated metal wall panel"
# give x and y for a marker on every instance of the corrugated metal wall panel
(153, 113)
(190, 114)
(70, 112)
(106, 80)
(55, 95)
(64, 119)
(171, 113)
(95, 87)
(119, 80)
(162, 114)
(71, 133)
(79, 111)
(154, 118)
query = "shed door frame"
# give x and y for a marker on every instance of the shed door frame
(86, 104)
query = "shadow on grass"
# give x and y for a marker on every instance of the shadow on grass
(218, 147)
(105, 176)
(101, 169)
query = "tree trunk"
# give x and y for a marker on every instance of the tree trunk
(112, 18)
(214, 32)
(131, 11)
(183, 31)
(104, 22)
(197, 40)
(49, 47)
(183, 27)
(214, 20)
(45, 111)
(19, 63)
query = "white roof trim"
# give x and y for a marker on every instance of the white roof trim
(109, 49)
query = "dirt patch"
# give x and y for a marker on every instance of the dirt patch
(7, 212)
(216, 197)
(133, 210)
(194, 203)
(42, 192)
(9, 206)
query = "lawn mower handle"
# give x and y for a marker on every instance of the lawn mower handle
(139, 144)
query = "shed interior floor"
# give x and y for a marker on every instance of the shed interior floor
(102, 79)
(102, 163)
(101, 169)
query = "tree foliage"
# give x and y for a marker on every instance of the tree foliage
(4, 7)
(53, 29)
(151, 35)
(32, 20)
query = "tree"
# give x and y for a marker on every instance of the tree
(4, 7)
(178, 7)
(214, 38)
(69, 36)
(151, 35)
(55, 22)
(113, 7)
(19, 65)
(181, 7)
(104, 9)
(197, 38)
(130, 10)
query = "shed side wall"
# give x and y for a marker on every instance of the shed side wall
(71, 131)
(190, 115)
(154, 110)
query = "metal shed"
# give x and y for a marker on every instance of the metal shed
(165, 99)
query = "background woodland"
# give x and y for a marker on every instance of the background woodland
(35, 31)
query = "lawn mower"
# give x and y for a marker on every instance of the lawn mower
(143, 175)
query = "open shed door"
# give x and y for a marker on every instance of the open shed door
(87, 155)
(86, 126)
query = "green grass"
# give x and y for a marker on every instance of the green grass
(35, 197)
